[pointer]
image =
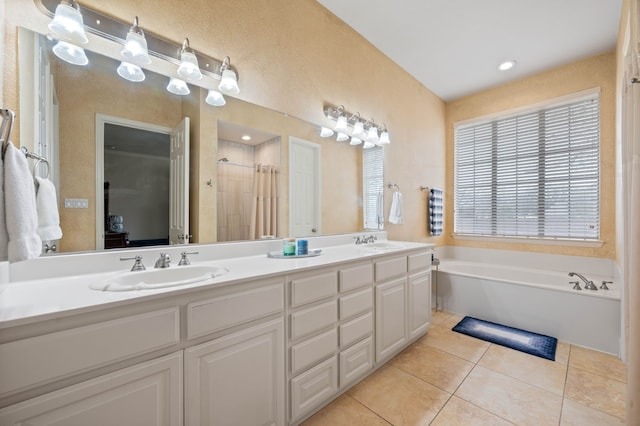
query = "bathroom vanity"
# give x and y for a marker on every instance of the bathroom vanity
(270, 342)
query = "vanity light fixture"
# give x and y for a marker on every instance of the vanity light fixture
(342, 137)
(341, 124)
(131, 72)
(188, 69)
(67, 22)
(215, 98)
(355, 141)
(367, 131)
(372, 134)
(135, 47)
(358, 130)
(326, 132)
(384, 137)
(178, 87)
(229, 79)
(368, 145)
(70, 53)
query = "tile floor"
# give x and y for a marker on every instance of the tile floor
(447, 378)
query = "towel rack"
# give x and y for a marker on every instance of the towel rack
(393, 186)
(8, 117)
(39, 160)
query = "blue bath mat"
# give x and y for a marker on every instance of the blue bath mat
(514, 338)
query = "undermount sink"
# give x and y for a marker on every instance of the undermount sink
(383, 246)
(158, 278)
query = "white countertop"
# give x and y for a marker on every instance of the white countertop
(27, 301)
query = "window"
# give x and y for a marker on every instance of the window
(534, 174)
(373, 187)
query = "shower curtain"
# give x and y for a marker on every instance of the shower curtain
(264, 206)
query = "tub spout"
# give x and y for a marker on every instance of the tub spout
(588, 285)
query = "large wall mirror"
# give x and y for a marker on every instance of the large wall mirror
(109, 142)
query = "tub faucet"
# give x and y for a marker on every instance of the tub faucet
(588, 285)
(164, 261)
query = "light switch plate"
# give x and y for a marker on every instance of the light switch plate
(76, 203)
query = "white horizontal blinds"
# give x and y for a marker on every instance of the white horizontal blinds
(535, 174)
(373, 190)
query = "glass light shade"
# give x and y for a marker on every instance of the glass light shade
(326, 132)
(135, 48)
(215, 98)
(372, 135)
(358, 130)
(384, 138)
(70, 53)
(189, 68)
(368, 145)
(342, 137)
(355, 141)
(178, 87)
(130, 72)
(67, 23)
(229, 82)
(341, 124)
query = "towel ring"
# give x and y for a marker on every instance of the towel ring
(37, 163)
(393, 186)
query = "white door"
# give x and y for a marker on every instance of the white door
(419, 303)
(304, 188)
(179, 180)
(390, 318)
(237, 379)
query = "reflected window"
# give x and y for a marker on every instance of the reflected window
(373, 188)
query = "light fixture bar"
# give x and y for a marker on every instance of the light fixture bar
(333, 112)
(116, 30)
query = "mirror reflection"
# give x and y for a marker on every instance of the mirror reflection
(107, 140)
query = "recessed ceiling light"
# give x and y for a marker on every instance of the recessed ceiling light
(507, 65)
(246, 138)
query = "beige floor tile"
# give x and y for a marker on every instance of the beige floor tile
(574, 414)
(458, 412)
(562, 352)
(399, 398)
(598, 363)
(510, 398)
(549, 375)
(434, 366)
(596, 391)
(452, 321)
(345, 411)
(437, 317)
(463, 346)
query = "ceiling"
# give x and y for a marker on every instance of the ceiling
(453, 47)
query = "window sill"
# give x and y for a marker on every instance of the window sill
(530, 240)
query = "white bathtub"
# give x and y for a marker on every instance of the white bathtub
(537, 300)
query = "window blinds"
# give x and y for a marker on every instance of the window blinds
(373, 187)
(535, 174)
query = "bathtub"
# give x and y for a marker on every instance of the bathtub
(533, 299)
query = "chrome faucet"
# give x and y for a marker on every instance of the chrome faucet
(164, 261)
(370, 239)
(588, 285)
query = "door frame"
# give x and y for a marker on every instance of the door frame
(101, 120)
(318, 187)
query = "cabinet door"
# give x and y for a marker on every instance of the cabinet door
(419, 304)
(390, 317)
(146, 394)
(237, 379)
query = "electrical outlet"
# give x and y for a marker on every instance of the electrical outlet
(76, 203)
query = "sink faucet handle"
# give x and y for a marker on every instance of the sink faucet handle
(604, 286)
(358, 240)
(576, 285)
(184, 260)
(137, 265)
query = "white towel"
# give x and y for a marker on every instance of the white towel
(4, 237)
(396, 213)
(20, 207)
(47, 206)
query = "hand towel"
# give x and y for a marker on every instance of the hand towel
(47, 207)
(4, 237)
(396, 213)
(20, 207)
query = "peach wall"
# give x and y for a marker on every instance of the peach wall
(292, 58)
(598, 71)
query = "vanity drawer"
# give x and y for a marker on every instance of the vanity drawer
(310, 288)
(313, 387)
(313, 350)
(42, 359)
(313, 319)
(355, 277)
(391, 268)
(356, 361)
(356, 329)
(356, 303)
(419, 261)
(218, 313)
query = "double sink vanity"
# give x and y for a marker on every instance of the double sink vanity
(259, 341)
